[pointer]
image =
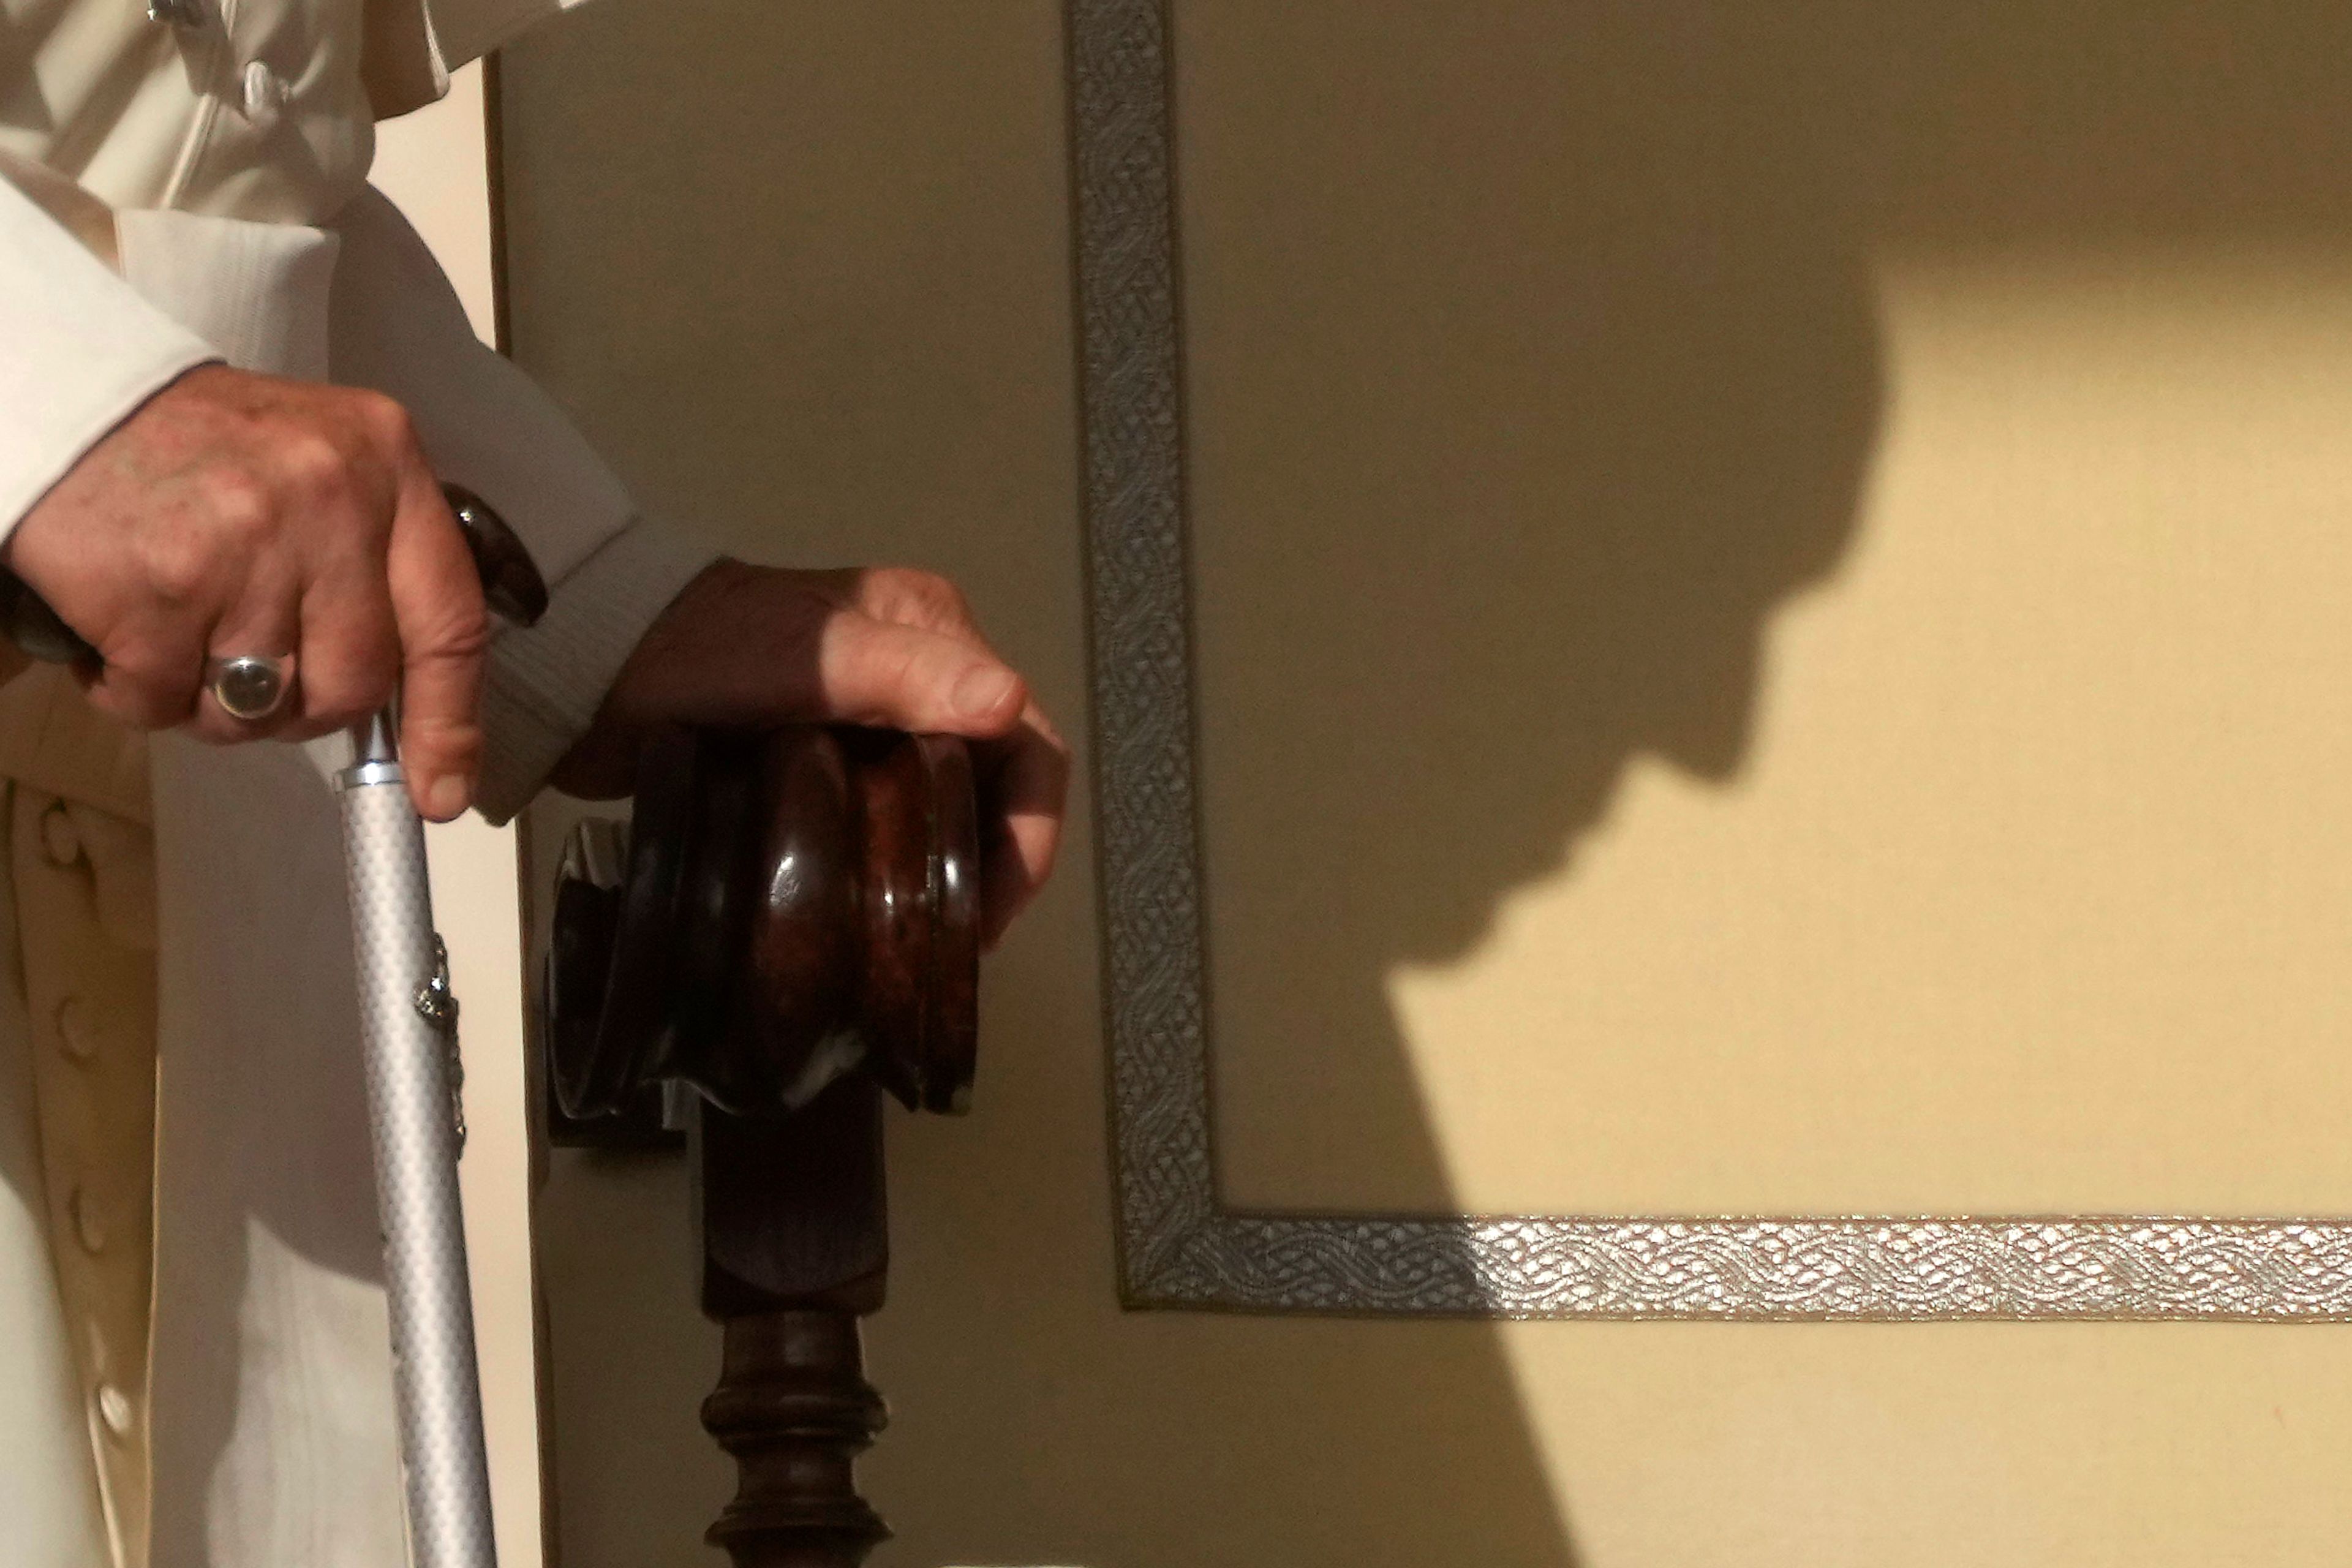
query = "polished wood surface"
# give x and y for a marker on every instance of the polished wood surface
(795, 1249)
(794, 1408)
(790, 930)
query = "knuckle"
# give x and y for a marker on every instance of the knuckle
(464, 630)
(388, 420)
(240, 513)
(456, 745)
(241, 503)
(176, 566)
(315, 465)
(455, 634)
(911, 672)
(924, 598)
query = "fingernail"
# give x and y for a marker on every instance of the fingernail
(447, 797)
(982, 690)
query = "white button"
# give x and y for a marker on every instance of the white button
(76, 1030)
(89, 1228)
(114, 1409)
(58, 840)
(265, 95)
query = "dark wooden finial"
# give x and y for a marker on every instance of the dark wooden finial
(792, 928)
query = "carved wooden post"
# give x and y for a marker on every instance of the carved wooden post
(790, 930)
(795, 1251)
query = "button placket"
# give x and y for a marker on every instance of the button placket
(89, 994)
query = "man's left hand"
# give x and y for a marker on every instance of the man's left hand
(891, 648)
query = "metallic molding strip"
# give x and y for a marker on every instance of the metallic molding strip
(1178, 1248)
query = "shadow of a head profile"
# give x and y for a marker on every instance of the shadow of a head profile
(1525, 519)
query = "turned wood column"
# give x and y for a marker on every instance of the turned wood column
(795, 1249)
(789, 931)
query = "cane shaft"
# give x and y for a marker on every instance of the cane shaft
(447, 1471)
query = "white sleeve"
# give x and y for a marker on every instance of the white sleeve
(396, 325)
(79, 350)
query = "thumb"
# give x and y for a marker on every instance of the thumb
(437, 600)
(903, 677)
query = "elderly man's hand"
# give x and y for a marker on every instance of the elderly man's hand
(236, 513)
(892, 649)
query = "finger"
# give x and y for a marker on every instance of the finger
(349, 661)
(437, 604)
(1025, 783)
(150, 673)
(836, 665)
(267, 622)
(907, 596)
(905, 678)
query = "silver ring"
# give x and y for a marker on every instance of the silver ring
(250, 686)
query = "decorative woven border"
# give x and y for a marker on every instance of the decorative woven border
(1178, 1247)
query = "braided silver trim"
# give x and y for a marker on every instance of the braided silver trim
(1178, 1247)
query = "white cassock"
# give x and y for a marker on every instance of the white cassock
(217, 169)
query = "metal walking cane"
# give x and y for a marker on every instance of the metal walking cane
(408, 1024)
(408, 1020)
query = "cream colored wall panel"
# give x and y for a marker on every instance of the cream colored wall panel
(2029, 891)
(803, 269)
(1715, 700)
(1983, 1445)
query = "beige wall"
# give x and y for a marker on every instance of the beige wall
(1789, 569)
(1768, 590)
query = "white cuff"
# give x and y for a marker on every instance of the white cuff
(80, 351)
(545, 684)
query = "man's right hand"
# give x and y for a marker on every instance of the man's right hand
(235, 515)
